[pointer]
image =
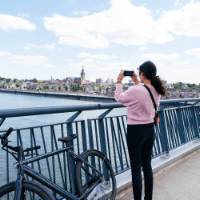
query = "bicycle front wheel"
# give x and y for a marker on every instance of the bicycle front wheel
(32, 191)
(96, 168)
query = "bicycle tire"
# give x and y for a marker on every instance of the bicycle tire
(99, 156)
(29, 186)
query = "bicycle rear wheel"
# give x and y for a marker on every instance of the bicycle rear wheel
(85, 176)
(32, 190)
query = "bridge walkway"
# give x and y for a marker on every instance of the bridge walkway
(179, 181)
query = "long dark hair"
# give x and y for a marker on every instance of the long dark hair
(149, 70)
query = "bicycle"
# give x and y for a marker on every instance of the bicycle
(92, 163)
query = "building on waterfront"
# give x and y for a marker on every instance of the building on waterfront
(109, 81)
(99, 80)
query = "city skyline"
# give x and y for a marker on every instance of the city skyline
(126, 80)
(55, 39)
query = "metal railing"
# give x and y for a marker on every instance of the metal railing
(180, 123)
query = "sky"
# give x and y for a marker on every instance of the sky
(55, 38)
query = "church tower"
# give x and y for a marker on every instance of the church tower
(82, 75)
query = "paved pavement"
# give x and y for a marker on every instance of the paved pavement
(180, 181)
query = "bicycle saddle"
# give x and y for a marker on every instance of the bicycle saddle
(68, 138)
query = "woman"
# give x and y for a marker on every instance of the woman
(140, 128)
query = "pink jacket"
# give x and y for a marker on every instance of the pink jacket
(139, 103)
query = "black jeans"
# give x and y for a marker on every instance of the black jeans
(140, 140)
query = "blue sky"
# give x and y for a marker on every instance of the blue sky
(54, 38)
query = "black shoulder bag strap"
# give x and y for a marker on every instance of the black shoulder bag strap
(154, 103)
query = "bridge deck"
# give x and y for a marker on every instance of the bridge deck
(179, 181)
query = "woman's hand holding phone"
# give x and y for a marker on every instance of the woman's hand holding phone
(135, 79)
(123, 73)
(120, 77)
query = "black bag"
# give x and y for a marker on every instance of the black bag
(154, 104)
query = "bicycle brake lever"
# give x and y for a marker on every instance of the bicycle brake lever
(4, 142)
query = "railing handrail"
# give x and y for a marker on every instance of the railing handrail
(19, 112)
(183, 100)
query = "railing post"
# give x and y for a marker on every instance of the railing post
(102, 137)
(102, 134)
(71, 162)
(2, 121)
(163, 135)
(196, 115)
(89, 126)
(180, 125)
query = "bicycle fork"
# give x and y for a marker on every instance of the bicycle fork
(19, 192)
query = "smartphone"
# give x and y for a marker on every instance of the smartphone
(128, 73)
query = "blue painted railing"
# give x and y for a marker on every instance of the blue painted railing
(180, 123)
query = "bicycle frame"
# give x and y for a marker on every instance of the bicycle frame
(23, 169)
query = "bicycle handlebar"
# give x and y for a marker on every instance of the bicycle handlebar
(5, 136)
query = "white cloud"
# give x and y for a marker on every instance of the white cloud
(28, 60)
(40, 46)
(143, 48)
(123, 23)
(193, 52)
(26, 15)
(160, 56)
(184, 21)
(178, 2)
(81, 13)
(21, 59)
(175, 72)
(92, 41)
(96, 56)
(4, 53)
(10, 22)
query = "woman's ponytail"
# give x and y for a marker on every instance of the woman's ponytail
(158, 85)
(149, 70)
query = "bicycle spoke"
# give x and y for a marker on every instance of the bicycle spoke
(100, 183)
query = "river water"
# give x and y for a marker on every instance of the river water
(13, 101)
